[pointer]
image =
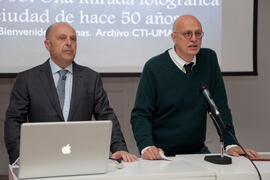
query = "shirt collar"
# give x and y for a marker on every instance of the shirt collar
(179, 61)
(55, 68)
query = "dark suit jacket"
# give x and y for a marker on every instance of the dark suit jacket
(34, 98)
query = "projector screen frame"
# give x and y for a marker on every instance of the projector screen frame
(254, 72)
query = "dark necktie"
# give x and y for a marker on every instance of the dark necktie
(188, 67)
(61, 87)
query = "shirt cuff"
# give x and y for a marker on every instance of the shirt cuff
(144, 149)
(230, 146)
(15, 162)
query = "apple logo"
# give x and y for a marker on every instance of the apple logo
(66, 149)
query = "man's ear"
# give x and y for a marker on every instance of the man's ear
(47, 44)
(173, 36)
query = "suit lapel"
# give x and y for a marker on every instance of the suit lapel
(48, 84)
(76, 90)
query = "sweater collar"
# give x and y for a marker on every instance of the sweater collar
(178, 61)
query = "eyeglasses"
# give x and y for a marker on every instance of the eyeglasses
(189, 34)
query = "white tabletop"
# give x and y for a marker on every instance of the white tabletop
(187, 167)
(241, 167)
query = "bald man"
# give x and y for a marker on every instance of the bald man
(169, 115)
(34, 97)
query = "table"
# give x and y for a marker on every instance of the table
(186, 167)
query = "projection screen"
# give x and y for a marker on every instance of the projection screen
(119, 36)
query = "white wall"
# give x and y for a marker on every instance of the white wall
(248, 97)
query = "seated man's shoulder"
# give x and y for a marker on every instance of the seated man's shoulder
(86, 69)
(206, 51)
(31, 73)
(158, 59)
(87, 72)
(207, 55)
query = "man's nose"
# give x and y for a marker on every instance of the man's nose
(193, 38)
(68, 42)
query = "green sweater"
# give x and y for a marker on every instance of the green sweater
(170, 111)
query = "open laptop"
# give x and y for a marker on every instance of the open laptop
(64, 148)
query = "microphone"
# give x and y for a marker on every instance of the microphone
(206, 93)
(64, 77)
(221, 159)
(216, 159)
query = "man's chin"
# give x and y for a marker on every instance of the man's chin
(68, 60)
(194, 52)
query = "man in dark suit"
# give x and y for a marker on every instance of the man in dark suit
(35, 96)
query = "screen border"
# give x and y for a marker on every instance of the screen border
(254, 72)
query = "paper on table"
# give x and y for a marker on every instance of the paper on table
(163, 157)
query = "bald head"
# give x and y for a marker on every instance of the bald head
(181, 21)
(49, 29)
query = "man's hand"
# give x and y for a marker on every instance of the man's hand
(125, 156)
(152, 153)
(236, 151)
